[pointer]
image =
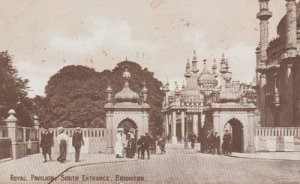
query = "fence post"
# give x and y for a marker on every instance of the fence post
(11, 123)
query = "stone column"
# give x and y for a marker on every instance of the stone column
(291, 28)
(202, 119)
(182, 124)
(174, 138)
(195, 124)
(11, 123)
(251, 132)
(110, 137)
(166, 118)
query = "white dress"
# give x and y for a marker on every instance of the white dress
(119, 145)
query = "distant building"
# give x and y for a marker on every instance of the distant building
(211, 102)
(278, 68)
(126, 109)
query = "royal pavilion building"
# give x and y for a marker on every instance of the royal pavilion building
(210, 101)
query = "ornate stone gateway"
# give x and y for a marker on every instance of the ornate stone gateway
(235, 127)
(127, 109)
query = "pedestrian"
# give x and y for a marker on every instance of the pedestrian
(129, 148)
(162, 143)
(62, 140)
(193, 140)
(227, 143)
(77, 142)
(46, 143)
(147, 143)
(216, 144)
(119, 143)
(140, 146)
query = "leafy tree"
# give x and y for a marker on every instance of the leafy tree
(77, 94)
(13, 92)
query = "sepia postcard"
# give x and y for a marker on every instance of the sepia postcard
(149, 91)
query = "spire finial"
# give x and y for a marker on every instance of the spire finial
(194, 57)
(126, 75)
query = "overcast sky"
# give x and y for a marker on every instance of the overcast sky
(45, 35)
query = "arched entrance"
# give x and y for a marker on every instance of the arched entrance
(127, 124)
(235, 127)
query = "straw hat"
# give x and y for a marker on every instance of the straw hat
(120, 129)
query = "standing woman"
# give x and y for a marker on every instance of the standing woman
(62, 140)
(119, 144)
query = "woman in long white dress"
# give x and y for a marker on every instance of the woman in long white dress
(119, 143)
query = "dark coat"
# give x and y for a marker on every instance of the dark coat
(46, 140)
(77, 139)
(216, 141)
(227, 138)
(147, 140)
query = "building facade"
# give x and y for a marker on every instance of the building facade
(211, 102)
(277, 68)
(126, 109)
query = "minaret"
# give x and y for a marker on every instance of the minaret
(264, 15)
(188, 73)
(109, 93)
(194, 64)
(214, 69)
(144, 93)
(291, 29)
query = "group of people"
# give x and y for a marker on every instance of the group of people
(126, 144)
(62, 139)
(212, 144)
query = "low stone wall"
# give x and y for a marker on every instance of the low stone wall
(277, 139)
(94, 140)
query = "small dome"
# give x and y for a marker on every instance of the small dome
(127, 95)
(207, 78)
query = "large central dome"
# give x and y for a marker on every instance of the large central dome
(207, 79)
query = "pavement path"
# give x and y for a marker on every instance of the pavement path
(177, 166)
(187, 166)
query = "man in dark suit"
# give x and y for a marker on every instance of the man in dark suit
(216, 144)
(147, 143)
(227, 143)
(77, 142)
(46, 143)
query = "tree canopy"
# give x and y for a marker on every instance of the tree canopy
(13, 92)
(75, 96)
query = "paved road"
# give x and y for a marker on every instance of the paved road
(187, 166)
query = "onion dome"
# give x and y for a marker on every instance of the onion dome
(126, 94)
(207, 79)
(191, 93)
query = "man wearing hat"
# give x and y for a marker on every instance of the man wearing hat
(119, 143)
(77, 142)
(227, 143)
(216, 144)
(46, 143)
(62, 140)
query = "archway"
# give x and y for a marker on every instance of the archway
(127, 124)
(237, 135)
